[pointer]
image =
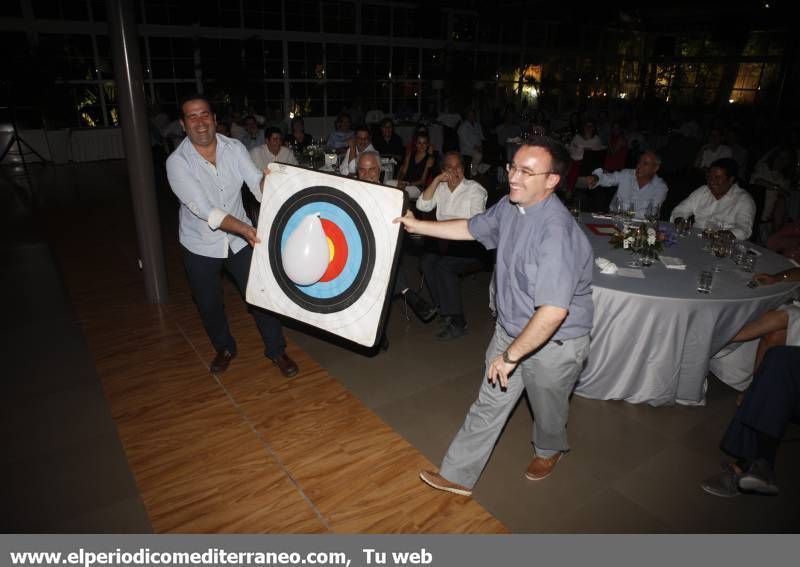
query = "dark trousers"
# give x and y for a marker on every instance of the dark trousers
(205, 280)
(771, 403)
(441, 277)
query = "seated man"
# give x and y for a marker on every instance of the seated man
(756, 430)
(453, 197)
(369, 169)
(254, 136)
(640, 186)
(272, 151)
(357, 145)
(721, 200)
(339, 139)
(389, 144)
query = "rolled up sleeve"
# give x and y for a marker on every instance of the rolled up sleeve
(425, 206)
(186, 187)
(215, 218)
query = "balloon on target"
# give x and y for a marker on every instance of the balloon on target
(328, 251)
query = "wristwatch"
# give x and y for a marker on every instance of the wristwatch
(507, 360)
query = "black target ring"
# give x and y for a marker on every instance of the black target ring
(349, 207)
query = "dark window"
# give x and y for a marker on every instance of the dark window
(302, 15)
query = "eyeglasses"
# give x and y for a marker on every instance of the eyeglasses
(512, 169)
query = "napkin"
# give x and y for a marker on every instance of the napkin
(673, 263)
(606, 266)
(601, 216)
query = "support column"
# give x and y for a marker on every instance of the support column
(123, 36)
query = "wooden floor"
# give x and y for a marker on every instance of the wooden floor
(247, 451)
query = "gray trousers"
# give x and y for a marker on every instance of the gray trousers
(548, 376)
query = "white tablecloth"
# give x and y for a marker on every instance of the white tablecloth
(93, 144)
(62, 146)
(653, 338)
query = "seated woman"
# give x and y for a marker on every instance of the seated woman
(778, 327)
(418, 165)
(587, 139)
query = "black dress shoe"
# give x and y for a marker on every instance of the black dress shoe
(286, 365)
(221, 361)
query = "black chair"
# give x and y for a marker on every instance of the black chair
(759, 194)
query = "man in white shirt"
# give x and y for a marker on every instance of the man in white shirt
(721, 200)
(357, 145)
(206, 172)
(272, 151)
(453, 197)
(640, 186)
(254, 136)
(713, 150)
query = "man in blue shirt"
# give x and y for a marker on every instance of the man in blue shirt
(206, 172)
(545, 311)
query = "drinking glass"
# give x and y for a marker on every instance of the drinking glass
(705, 281)
(575, 209)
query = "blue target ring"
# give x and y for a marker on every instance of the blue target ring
(342, 210)
(333, 213)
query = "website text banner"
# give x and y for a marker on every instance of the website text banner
(388, 550)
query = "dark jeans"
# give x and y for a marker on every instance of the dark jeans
(441, 276)
(204, 279)
(771, 403)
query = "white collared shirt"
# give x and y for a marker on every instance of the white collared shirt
(262, 157)
(736, 209)
(348, 167)
(208, 193)
(628, 189)
(465, 201)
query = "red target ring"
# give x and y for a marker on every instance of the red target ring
(338, 246)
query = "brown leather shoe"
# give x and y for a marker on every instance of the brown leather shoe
(286, 365)
(541, 468)
(221, 361)
(439, 482)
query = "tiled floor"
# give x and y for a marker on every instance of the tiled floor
(633, 468)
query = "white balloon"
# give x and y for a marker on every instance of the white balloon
(306, 255)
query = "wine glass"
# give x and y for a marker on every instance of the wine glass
(652, 213)
(614, 208)
(630, 209)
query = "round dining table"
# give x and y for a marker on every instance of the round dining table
(655, 337)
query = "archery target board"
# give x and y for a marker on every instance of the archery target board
(351, 297)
